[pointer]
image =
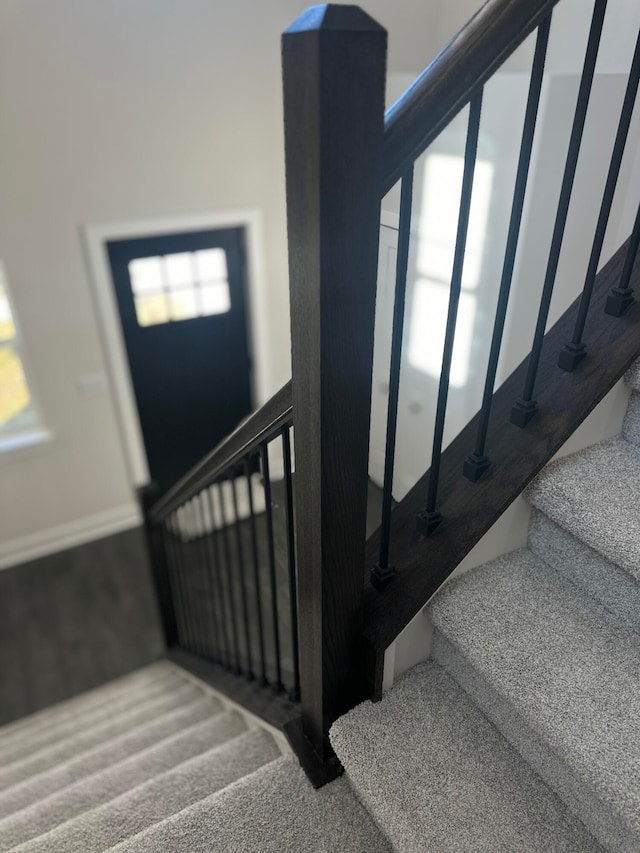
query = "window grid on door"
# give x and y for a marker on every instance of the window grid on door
(180, 286)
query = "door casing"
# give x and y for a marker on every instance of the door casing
(95, 237)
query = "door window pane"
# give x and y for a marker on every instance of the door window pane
(151, 310)
(179, 269)
(146, 275)
(184, 304)
(211, 264)
(216, 298)
(180, 286)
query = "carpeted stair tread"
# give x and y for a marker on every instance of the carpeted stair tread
(632, 376)
(560, 681)
(272, 811)
(164, 795)
(76, 721)
(107, 754)
(53, 754)
(593, 494)
(631, 425)
(606, 582)
(99, 788)
(438, 777)
(84, 702)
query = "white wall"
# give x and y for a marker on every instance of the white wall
(117, 111)
(112, 111)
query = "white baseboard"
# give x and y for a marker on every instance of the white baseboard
(68, 535)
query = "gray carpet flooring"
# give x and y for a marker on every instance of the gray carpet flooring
(605, 581)
(154, 762)
(593, 495)
(272, 811)
(103, 786)
(559, 680)
(439, 777)
(633, 377)
(166, 794)
(631, 426)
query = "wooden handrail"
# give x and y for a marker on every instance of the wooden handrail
(447, 84)
(276, 412)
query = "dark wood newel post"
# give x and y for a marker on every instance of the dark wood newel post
(334, 61)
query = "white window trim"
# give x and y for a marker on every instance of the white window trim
(36, 433)
(95, 237)
(23, 441)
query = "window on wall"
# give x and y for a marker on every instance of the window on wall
(18, 412)
(180, 286)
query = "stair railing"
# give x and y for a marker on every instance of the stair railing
(223, 554)
(470, 485)
(348, 598)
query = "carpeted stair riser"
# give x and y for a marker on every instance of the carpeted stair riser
(164, 795)
(632, 377)
(594, 496)
(75, 723)
(605, 581)
(558, 679)
(106, 785)
(631, 425)
(272, 811)
(131, 743)
(55, 753)
(438, 777)
(85, 702)
(534, 750)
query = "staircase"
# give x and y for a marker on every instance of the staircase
(153, 762)
(521, 733)
(523, 730)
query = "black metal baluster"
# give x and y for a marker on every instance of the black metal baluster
(430, 518)
(216, 568)
(525, 407)
(176, 593)
(211, 621)
(477, 462)
(621, 297)
(170, 541)
(273, 584)
(178, 549)
(256, 574)
(382, 573)
(230, 585)
(572, 353)
(294, 694)
(191, 558)
(243, 580)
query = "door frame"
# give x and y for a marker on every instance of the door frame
(94, 239)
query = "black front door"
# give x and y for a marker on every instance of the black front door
(182, 306)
